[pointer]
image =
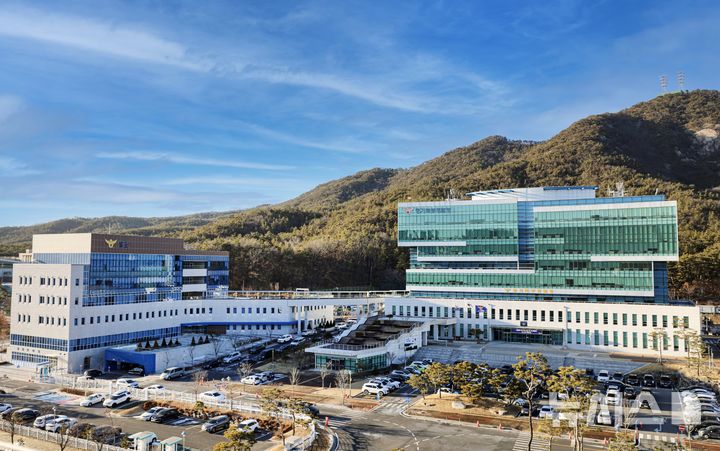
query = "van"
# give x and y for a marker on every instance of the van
(172, 373)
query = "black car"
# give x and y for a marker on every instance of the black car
(703, 425)
(709, 432)
(216, 424)
(137, 372)
(507, 369)
(648, 380)
(92, 374)
(165, 415)
(214, 363)
(665, 381)
(630, 392)
(7, 413)
(632, 379)
(25, 415)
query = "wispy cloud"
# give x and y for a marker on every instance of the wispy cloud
(14, 168)
(184, 159)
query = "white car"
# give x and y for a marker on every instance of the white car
(267, 376)
(155, 389)
(150, 412)
(546, 412)
(252, 379)
(387, 381)
(212, 396)
(232, 357)
(126, 383)
(613, 397)
(93, 399)
(375, 388)
(42, 420)
(420, 365)
(603, 376)
(4, 407)
(59, 423)
(287, 338)
(117, 398)
(249, 425)
(604, 418)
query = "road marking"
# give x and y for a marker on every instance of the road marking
(539, 443)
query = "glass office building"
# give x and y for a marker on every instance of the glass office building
(551, 243)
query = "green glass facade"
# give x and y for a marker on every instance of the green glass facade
(595, 249)
(354, 364)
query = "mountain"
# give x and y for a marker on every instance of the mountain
(342, 234)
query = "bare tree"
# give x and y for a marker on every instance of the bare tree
(324, 371)
(11, 421)
(659, 335)
(63, 437)
(198, 381)
(342, 379)
(191, 352)
(216, 344)
(270, 404)
(294, 377)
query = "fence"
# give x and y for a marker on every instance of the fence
(305, 442)
(52, 437)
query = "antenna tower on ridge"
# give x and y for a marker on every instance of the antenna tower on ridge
(663, 83)
(681, 80)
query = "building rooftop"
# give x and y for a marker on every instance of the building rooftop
(537, 193)
(112, 243)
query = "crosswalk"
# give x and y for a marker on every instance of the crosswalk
(539, 443)
(340, 420)
(391, 407)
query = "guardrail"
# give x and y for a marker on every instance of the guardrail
(303, 443)
(41, 434)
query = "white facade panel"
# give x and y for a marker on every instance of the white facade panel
(199, 272)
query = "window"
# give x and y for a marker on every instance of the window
(615, 319)
(82, 321)
(587, 336)
(644, 340)
(577, 317)
(77, 282)
(596, 317)
(525, 315)
(577, 337)
(605, 318)
(664, 321)
(615, 338)
(634, 319)
(75, 322)
(686, 321)
(654, 321)
(227, 310)
(560, 316)
(534, 315)
(625, 343)
(542, 315)
(596, 333)
(509, 315)
(644, 320)
(501, 313)
(401, 310)
(635, 340)
(492, 313)
(430, 311)
(624, 319)
(587, 317)
(552, 316)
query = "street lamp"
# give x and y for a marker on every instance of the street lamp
(183, 439)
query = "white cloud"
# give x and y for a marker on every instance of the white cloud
(184, 159)
(95, 36)
(12, 167)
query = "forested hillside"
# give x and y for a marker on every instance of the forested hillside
(342, 234)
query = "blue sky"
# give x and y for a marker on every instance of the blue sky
(166, 108)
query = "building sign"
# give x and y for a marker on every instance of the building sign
(111, 243)
(523, 323)
(426, 211)
(527, 331)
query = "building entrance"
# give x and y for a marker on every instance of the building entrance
(527, 335)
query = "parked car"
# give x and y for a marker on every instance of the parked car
(216, 424)
(632, 379)
(148, 414)
(117, 398)
(59, 424)
(126, 383)
(155, 389)
(411, 370)
(213, 363)
(604, 418)
(42, 420)
(297, 342)
(172, 373)
(603, 376)
(25, 415)
(711, 432)
(92, 374)
(630, 392)
(4, 407)
(267, 376)
(546, 412)
(387, 381)
(399, 375)
(8, 412)
(165, 415)
(618, 376)
(232, 357)
(252, 379)
(375, 388)
(287, 338)
(648, 380)
(137, 372)
(308, 333)
(665, 381)
(93, 399)
(212, 396)
(249, 425)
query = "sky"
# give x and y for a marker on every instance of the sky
(163, 108)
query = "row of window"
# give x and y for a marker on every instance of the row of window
(45, 320)
(647, 341)
(532, 315)
(28, 358)
(124, 338)
(135, 316)
(56, 344)
(257, 310)
(47, 281)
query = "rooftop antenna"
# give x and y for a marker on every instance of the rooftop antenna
(663, 83)
(681, 80)
(619, 190)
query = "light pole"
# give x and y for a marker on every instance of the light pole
(183, 439)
